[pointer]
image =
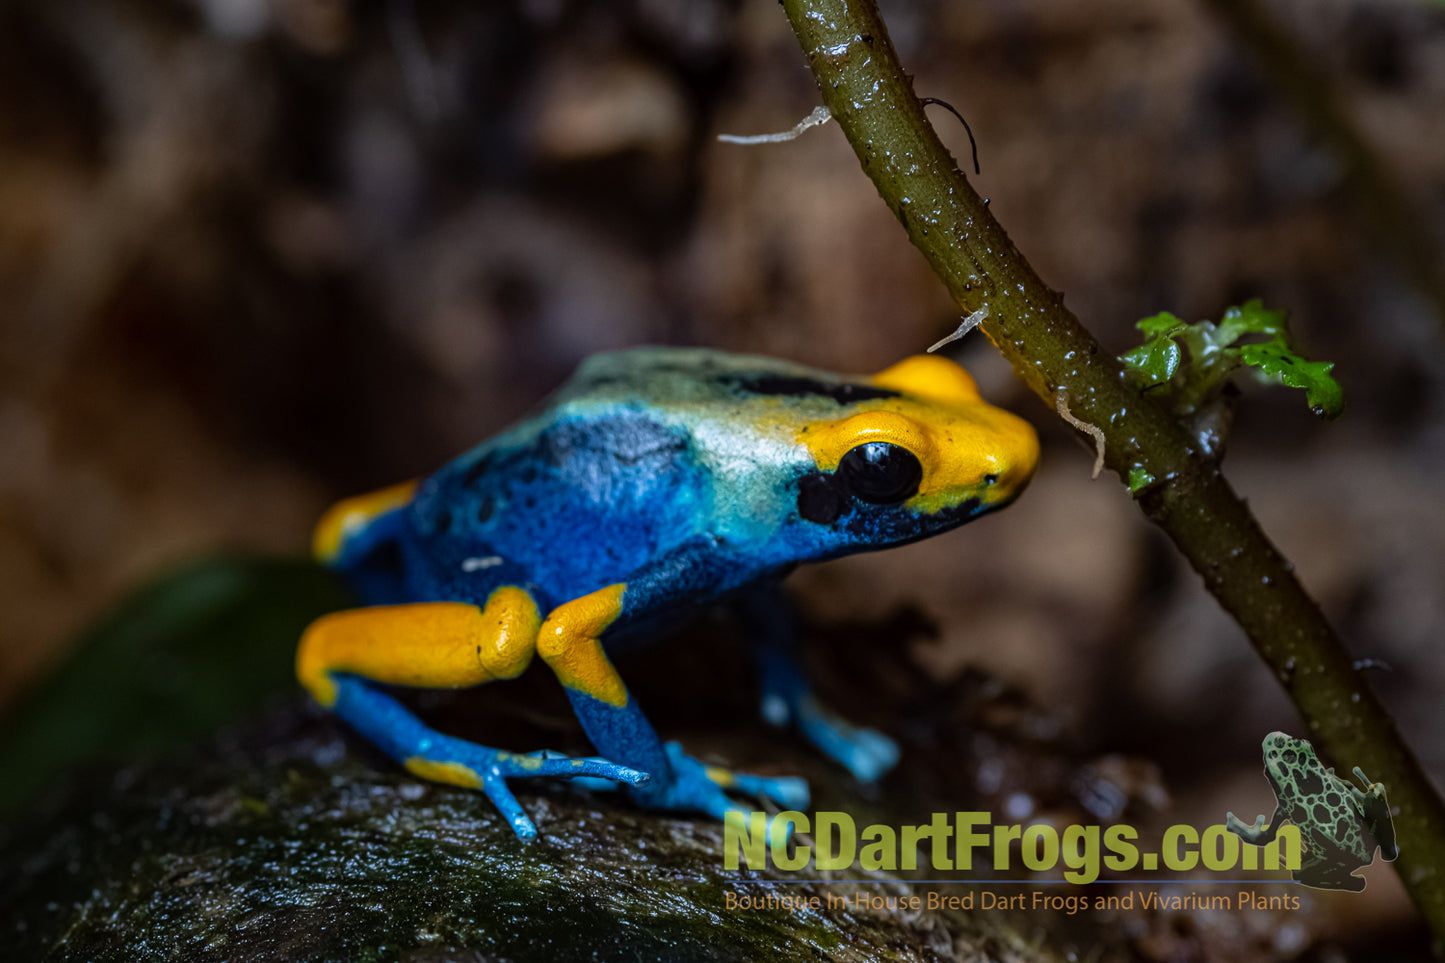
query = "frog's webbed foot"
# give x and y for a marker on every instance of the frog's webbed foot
(445, 759)
(697, 786)
(497, 766)
(1260, 834)
(866, 753)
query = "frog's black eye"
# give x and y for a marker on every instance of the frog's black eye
(880, 473)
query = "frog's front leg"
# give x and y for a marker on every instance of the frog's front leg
(1263, 831)
(1375, 813)
(436, 645)
(771, 626)
(571, 643)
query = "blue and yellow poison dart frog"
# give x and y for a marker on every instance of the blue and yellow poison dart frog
(655, 480)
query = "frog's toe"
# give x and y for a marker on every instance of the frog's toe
(479, 767)
(1249, 833)
(696, 786)
(546, 762)
(495, 786)
(790, 792)
(873, 755)
(716, 804)
(1259, 821)
(866, 753)
(592, 772)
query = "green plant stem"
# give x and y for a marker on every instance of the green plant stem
(866, 90)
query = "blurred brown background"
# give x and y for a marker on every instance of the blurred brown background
(259, 254)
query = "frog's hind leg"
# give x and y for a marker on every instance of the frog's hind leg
(440, 758)
(1321, 874)
(1262, 833)
(358, 537)
(435, 645)
(354, 526)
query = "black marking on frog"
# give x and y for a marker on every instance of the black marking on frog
(793, 385)
(1339, 824)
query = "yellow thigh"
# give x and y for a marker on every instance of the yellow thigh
(434, 645)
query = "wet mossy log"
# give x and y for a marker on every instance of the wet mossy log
(289, 839)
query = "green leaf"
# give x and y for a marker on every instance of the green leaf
(1251, 318)
(1275, 361)
(1162, 323)
(1155, 360)
(1193, 362)
(1139, 479)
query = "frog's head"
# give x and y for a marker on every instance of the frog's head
(919, 452)
(1282, 750)
(1291, 767)
(1375, 810)
(802, 464)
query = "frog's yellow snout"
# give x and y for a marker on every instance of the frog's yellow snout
(1014, 452)
(973, 455)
